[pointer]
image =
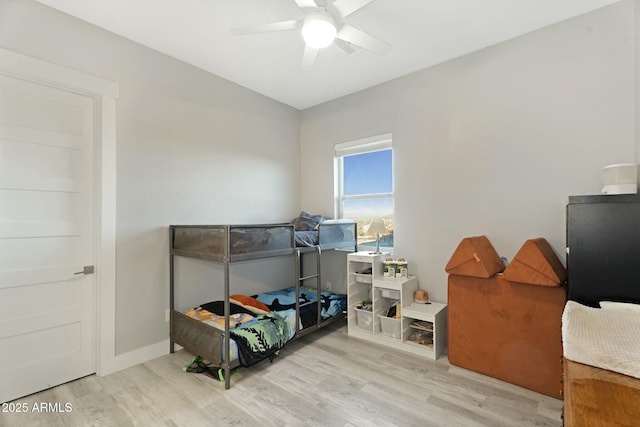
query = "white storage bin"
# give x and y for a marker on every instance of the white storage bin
(390, 293)
(364, 318)
(390, 326)
(363, 278)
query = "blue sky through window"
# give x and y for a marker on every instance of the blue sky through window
(363, 174)
(368, 173)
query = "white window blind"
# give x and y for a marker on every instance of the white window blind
(364, 145)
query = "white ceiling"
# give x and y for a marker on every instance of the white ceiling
(422, 32)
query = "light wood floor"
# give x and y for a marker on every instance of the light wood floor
(325, 379)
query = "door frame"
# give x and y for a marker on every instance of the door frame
(104, 94)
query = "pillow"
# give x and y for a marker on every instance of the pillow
(250, 304)
(217, 307)
(620, 306)
(307, 221)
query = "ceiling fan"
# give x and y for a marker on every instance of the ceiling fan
(323, 25)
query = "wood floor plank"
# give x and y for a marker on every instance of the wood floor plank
(324, 379)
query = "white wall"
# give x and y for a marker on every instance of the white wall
(192, 148)
(637, 74)
(493, 142)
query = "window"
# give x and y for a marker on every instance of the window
(364, 187)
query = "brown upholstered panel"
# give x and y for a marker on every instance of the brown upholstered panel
(507, 330)
(475, 257)
(536, 264)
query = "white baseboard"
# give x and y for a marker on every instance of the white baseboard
(132, 358)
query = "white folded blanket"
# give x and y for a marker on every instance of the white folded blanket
(607, 339)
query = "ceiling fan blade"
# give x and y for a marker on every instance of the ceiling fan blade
(364, 40)
(347, 47)
(305, 3)
(264, 28)
(309, 58)
(347, 7)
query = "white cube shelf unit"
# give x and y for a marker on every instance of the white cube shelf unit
(421, 328)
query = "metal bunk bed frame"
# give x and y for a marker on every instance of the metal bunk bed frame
(214, 243)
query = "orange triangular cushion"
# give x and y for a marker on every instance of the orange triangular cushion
(536, 264)
(475, 257)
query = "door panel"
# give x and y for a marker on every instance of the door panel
(47, 311)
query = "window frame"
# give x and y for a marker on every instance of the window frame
(361, 146)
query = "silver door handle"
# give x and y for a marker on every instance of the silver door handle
(88, 269)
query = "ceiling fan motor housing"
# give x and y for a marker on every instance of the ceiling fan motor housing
(319, 30)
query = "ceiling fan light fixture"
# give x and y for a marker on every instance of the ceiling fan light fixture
(318, 31)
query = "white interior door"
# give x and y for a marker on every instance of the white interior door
(47, 310)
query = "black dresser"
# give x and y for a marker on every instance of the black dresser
(603, 248)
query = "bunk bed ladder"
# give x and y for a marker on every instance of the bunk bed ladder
(301, 279)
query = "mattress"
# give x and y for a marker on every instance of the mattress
(282, 305)
(331, 304)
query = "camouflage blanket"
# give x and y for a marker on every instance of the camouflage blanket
(262, 337)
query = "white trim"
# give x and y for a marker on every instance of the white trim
(104, 94)
(27, 68)
(135, 357)
(367, 196)
(107, 241)
(364, 145)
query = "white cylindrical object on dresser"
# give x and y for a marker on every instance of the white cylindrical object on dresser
(620, 179)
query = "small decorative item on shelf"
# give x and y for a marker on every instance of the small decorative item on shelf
(389, 267)
(402, 268)
(395, 268)
(421, 296)
(377, 228)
